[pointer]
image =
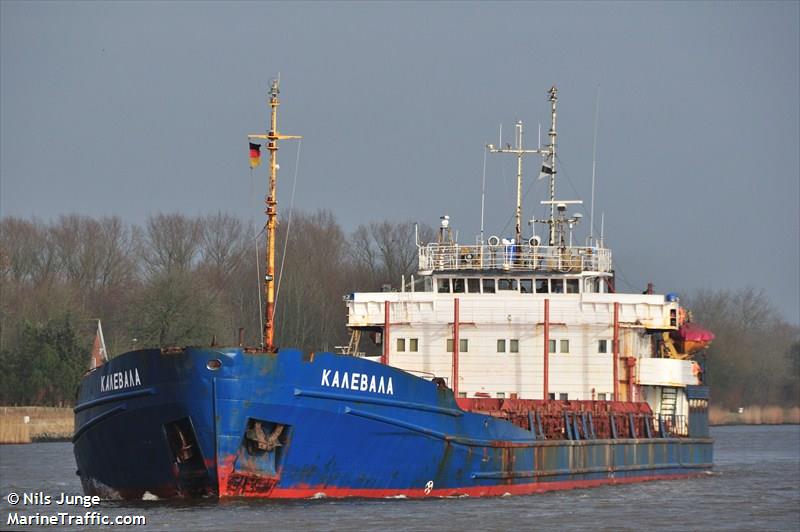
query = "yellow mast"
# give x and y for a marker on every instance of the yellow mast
(271, 202)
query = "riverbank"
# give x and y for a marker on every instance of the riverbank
(755, 415)
(26, 424)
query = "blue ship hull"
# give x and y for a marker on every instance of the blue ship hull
(224, 422)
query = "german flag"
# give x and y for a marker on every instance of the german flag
(255, 155)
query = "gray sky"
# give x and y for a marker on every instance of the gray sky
(137, 108)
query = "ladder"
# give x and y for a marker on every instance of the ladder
(355, 339)
(669, 400)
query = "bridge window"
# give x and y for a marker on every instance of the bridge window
(413, 345)
(541, 286)
(573, 286)
(563, 397)
(474, 286)
(501, 346)
(557, 286)
(601, 397)
(507, 284)
(551, 348)
(488, 286)
(526, 286)
(401, 345)
(565, 346)
(501, 395)
(443, 286)
(458, 286)
(602, 346)
(513, 346)
(591, 285)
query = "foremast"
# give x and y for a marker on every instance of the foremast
(271, 201)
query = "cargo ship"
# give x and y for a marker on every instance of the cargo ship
(505, 366)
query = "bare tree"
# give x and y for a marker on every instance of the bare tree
(223, 245)
(310, 313)
(115, 241)
(387, 250)
(170, 243)
(29, 252)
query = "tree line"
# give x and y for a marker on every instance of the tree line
(176, 280)
(755, 357)
(181, 280)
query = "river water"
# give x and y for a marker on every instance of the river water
(755, 485)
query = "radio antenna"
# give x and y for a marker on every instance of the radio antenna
(594, 162)
(483, 192)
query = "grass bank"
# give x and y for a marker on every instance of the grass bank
(25, 424)
(755, 415)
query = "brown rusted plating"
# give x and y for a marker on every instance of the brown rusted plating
(553, 420)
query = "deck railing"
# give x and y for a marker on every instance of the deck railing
(671, 425)
(448, 257)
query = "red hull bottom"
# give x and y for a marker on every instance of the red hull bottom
(482, 491)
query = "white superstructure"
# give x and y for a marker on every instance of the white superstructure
(482, 316)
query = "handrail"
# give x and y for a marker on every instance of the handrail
(449, 257)
(671, 425)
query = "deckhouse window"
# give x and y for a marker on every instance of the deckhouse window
(474, 286)
(602, 346)
(443, 286)
(458, 286)
(526, 286)
(557, 286)
(512, 345)
(563, 397)
(541, 286)
(601, 397)
(507, 284)
(573, 286)
(413, 345)
(463, 345)
(488, 286)
(562, 344)
(401, 345)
